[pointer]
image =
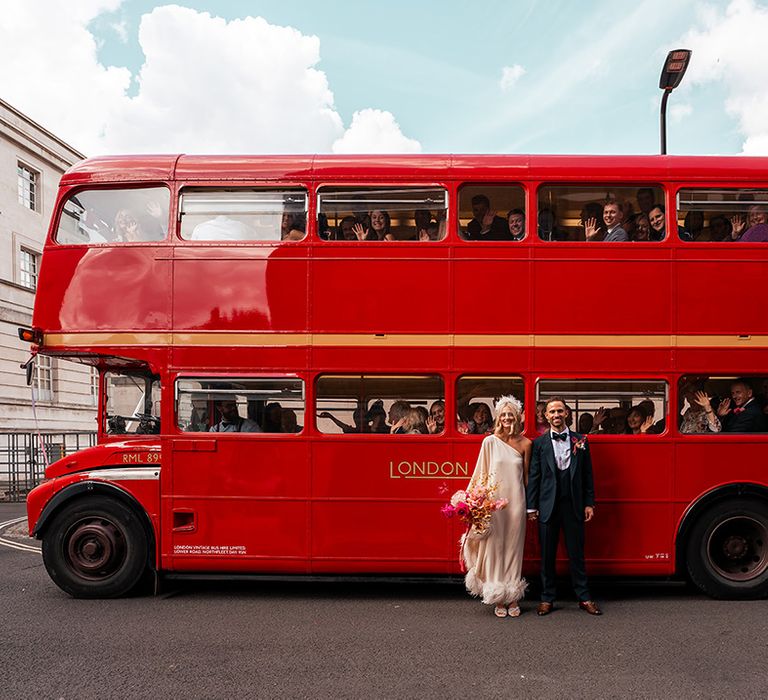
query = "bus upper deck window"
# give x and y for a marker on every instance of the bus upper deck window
(382, 214)
(711, 215)
(243, 215)
(492, 212)
(115, 216)
(600, 212)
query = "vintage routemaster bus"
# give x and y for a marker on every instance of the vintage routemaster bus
(299, 356)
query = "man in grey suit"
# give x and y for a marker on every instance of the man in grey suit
(561, 495)
(613, 218)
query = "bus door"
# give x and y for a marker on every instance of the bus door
(239, 475)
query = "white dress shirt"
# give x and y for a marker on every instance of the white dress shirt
(562, 449)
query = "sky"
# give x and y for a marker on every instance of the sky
(394, 76)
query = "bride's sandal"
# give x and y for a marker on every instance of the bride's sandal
(514, 611)
(500, 611)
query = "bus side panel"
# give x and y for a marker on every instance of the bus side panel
(355, 293)
(239, 503)
(80, 296)
(376, 505)
(240, 289)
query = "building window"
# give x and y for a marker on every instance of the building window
(43, 379)
(28, 185)
(28, 266)
(94, 385)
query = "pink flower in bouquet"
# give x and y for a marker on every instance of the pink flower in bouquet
(448, 510)
(462, 510)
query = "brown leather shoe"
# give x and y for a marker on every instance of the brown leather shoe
(544, 608)
(591, 607)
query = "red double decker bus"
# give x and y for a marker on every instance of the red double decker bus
(299, 356)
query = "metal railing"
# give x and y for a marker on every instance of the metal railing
(22, 464)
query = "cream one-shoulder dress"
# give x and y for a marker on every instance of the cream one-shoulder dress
(494, 560)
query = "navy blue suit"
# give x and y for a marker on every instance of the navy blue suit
(560, 497)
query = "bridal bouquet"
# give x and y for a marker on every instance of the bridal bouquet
(475, 506)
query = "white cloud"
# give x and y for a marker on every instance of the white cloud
(731, 48)
(375, 131)
(678, 112)
(510, 75)
(206, 85)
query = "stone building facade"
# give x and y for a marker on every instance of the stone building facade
(32, 161)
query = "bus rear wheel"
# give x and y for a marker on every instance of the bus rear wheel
(95, 548)
(728, 550)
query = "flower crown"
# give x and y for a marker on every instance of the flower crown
(515, 403)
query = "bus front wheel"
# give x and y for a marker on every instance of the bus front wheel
(727, 554)
(95, 548)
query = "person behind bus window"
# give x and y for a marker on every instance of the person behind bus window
(398, 413)
(130, 228)
(345, 231)
(436, 421)
(376, 418)
(273, 417)
(585, 424)
(700, 416)
(612, 217)
(757, 220)
(516, 224)
(719, 229)
(231, 421)
(546, 222)
(485, 224)
(693, 226)
(642, 228)
(379, 228)
(422, 220)
(289, 423)
(480, 421)
(741, 413)
(414, 422)
(293, 226)
(638, 423)
(646, 199)
(658, 220)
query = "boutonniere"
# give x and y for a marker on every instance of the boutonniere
(579, 444)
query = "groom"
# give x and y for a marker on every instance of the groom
(560, 494)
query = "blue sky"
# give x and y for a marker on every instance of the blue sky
(582, 77)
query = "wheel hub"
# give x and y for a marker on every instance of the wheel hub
(95, 548)
(737, 549)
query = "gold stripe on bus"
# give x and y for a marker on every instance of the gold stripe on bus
(445, 340)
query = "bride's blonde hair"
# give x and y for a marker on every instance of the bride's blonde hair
(517, 415)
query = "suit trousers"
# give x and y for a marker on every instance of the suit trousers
(549, 536)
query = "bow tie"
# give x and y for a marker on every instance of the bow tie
(559, 436)
(738, 410)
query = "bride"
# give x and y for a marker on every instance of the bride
(494, 559)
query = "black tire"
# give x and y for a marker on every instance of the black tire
(727, 551)
(96, 547)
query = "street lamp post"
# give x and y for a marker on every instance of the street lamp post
(671, 75)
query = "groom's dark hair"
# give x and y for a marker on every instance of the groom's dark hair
(553, 399)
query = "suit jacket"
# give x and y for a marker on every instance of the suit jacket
(542, 477)
(499, 231)
(750, 420)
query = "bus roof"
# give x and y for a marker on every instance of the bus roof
(160, 168)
